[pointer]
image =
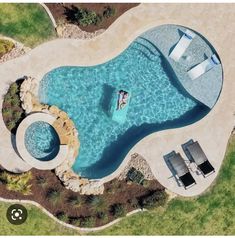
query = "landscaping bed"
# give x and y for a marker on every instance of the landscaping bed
(46, 189)
(12, 111)
(105, 13)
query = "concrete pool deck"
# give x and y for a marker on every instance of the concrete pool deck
(212, 131)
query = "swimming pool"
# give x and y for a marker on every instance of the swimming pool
(42, 141)
(158, 102)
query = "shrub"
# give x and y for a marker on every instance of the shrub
(154, 199)
(5, 46)
(42, 181)
(62, 217)
(102, 216)
(6, 112)
(17, 182)
(146, 183)
(75, 201)
(54, 196)
(118, 210)
(14, 89)
(11, 125)
(135, 176)
(98, 204)
(11, 109)
(76, 221)
(109, 12)
(87, 221)
(134, 203)
(86, 17)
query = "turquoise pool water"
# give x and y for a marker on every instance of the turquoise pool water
(158, 102)
(42, 141)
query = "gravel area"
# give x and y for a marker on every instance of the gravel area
(18, 50)
(140, 164)
(73, 31)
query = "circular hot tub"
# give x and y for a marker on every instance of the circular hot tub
(38, 142)
(42, 141)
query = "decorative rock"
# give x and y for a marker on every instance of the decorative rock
(140, 164)
(73, 31)
(18, 50)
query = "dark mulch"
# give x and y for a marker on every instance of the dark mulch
(115, 192)
(58, 12)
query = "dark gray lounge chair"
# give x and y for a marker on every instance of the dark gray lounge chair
(181, 170)
(200, 159)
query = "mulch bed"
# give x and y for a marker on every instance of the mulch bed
(115, 192)
(58, 12)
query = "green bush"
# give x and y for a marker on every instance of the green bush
(17, 182)
(134, 203)
(109, 12)
(87, 221)
(62, 217)
(75, 201)
(86, 17)
(102, 216)
(146, 183)
(11, 110)
(54, 196)
(5, 46)
(154, 199)
(118, 210)
(98, 204)
(42, 181)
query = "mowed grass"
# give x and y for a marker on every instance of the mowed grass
(26, 22)
(210, 214)
(37, 223)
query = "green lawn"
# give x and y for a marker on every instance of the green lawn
(26, 22)
(38, 223)
(211, 214)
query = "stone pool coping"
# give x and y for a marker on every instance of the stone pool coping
(212, 131)
(21, 148)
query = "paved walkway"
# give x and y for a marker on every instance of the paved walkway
(212, 131)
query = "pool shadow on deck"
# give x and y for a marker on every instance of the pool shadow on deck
(114, 154)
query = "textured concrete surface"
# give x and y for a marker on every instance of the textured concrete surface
(216, 22)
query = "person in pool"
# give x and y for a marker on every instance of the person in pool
(123, 102)
(120, 98)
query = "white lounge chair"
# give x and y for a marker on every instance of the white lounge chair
(203, 67)
(182, 45)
